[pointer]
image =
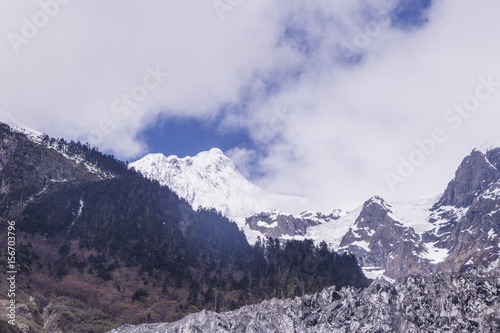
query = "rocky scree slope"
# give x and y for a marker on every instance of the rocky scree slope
(444, 302)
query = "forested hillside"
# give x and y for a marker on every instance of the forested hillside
(100, 245)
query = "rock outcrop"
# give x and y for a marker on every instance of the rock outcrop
(380, 242)
(467, 217)
(277, 224)
(444, 302)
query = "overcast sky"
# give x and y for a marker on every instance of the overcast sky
(333, 100)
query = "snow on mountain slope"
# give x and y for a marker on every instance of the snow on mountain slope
(333, 232)
(55, 144)
(285, 226)
(382, 235)
(415, 213)
(15, 126)
(210, 179)
(386, 238)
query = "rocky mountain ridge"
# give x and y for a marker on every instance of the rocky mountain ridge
(285, 226)
(382, 243)
(467, 217)
(463, 226)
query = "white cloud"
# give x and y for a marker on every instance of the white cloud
(364, 118)
(65, 79)
(332, 129)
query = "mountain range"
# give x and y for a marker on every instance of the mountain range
(446, 232)
(101, 243)
(436, 258)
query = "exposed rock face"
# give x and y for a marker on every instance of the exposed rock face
(277, 224)
(464, 232)
(468, 302)
(380, 241)
(467, 217)
(33, 165)
(475, 174)
(475, 238)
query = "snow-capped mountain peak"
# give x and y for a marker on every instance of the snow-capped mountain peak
(379, 201)
(211, 180)
(216, 151)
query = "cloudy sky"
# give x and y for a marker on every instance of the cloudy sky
(334, 100)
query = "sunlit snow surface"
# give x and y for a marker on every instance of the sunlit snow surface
(333, 232)
(210, 180)
(435, 254)
(415, 213)
(375, 272)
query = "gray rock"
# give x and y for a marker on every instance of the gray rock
(438, 303)
(467, 216)
(276, 224)
(474, 175)
(379, 240)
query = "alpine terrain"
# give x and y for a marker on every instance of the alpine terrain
(446, 232)
(210, 180)
(98, 245)
(103, 246)
(438, 257)
(444, 302)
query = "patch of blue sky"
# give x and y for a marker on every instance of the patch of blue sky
(410, 14)
(186, 136)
